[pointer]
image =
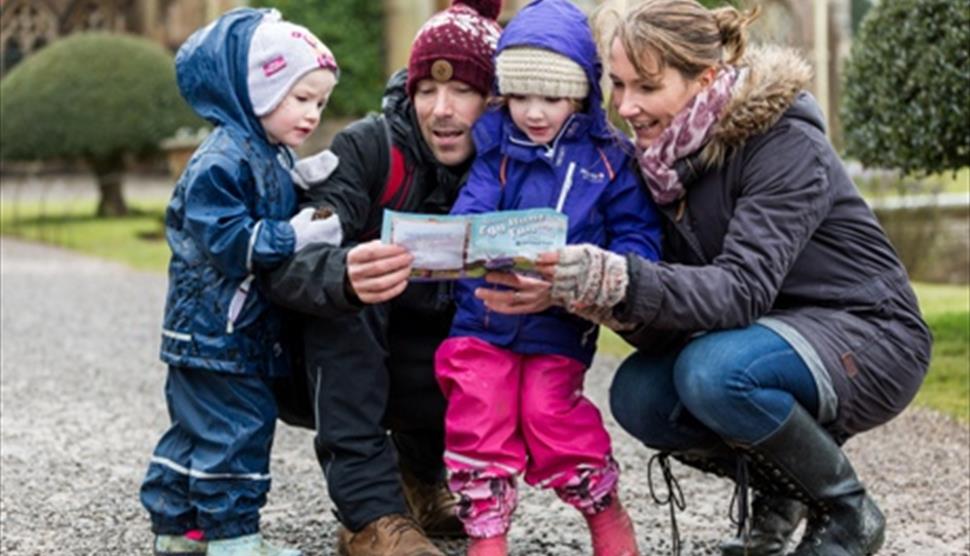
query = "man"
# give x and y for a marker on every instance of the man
(370, 336)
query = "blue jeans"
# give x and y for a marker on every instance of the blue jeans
(734, 385)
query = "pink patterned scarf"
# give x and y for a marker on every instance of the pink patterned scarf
(687, 132)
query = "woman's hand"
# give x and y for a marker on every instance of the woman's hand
(585, 277)
(528, 295)
(377, 272)
(574, 284)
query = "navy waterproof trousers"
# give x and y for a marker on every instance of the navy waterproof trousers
(210, 470)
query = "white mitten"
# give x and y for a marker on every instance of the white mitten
(309, 230)
(314, 169)
(588, 277)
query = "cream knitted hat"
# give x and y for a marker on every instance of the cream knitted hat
(536, 71)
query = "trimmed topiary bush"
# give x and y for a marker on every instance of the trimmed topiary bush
(93, 96)
(907, 87)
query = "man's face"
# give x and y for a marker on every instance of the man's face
(446, 112)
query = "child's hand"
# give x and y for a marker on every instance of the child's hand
(528, 295)
(309, 230)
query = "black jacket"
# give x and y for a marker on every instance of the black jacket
(313, 281)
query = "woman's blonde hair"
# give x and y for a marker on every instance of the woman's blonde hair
(683, 34)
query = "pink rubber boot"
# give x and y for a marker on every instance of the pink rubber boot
(488, 546)
(612, 531)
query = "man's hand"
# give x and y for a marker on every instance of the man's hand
(377, 272)
(528, 295)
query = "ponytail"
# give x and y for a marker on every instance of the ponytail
(732, 26)
(684, 34)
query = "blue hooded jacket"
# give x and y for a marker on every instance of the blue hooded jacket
(228, 216)
(587, 163)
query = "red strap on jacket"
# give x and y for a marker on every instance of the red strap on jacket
(395, 178)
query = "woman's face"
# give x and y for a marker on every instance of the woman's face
(649, 104)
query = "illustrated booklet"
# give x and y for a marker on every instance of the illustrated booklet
(466, 246)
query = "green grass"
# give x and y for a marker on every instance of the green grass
(936, 299)
(135, 240)
(947, 386)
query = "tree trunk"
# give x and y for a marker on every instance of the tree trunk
(109, 172)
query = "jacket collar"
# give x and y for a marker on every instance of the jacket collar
(773, 78)
(516, 144)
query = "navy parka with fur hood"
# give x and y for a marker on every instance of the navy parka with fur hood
(228, 216)
(771, 230)
(604, 198)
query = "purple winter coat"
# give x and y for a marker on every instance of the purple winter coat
(607, 204)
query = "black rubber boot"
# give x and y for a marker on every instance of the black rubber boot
(719, 459)
(774, 518)
(773, 521)
(843, 519)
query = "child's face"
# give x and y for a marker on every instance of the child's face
(298, 114)
(540, 117)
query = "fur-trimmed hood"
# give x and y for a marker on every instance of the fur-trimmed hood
(772, 78)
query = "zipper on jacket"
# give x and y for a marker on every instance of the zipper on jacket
(237, 302)
(567, 184)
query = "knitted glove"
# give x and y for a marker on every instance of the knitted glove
(588, 277)
(310, 228)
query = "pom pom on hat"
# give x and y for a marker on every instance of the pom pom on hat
(488, 9)
(457, 44)
(280, 54)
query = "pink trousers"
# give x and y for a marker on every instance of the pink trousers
(508, 413)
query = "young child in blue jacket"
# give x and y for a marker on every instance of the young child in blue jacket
(262, 82)
(514, 382)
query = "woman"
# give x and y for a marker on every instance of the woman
(781, 321)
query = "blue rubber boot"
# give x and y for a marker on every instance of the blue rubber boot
(249, 545)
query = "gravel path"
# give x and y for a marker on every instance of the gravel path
(81, 407)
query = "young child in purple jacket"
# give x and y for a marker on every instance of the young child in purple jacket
(514, 382)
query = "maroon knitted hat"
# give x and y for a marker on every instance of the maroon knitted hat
(458, 43)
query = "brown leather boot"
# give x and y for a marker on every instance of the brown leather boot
(389, 535)
(433, 506)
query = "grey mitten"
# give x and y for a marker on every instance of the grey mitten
(588, 277)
